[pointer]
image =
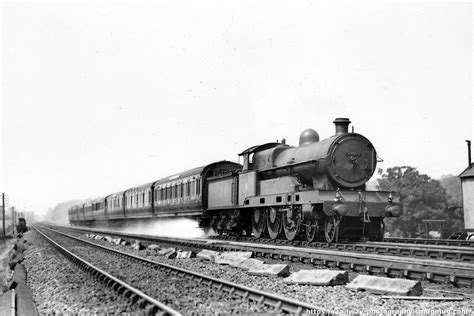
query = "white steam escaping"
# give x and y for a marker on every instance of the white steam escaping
(178, 227)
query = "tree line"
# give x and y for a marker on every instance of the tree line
(423, 198)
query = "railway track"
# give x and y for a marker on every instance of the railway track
(442, 271)
(274, 302)
(148, 303)
(462, 254)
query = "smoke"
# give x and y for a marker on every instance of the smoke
(178, 227)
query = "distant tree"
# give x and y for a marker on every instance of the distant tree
(422, 196)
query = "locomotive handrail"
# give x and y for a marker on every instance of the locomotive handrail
(289, 165)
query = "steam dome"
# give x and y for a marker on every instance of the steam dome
(309, 136)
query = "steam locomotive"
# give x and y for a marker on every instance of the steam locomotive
(313, 191)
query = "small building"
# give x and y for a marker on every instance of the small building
(467, 184)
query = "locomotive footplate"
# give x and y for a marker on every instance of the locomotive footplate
(364, 204)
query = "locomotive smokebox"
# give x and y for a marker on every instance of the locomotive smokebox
(342, 125)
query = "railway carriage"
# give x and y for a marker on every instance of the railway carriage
(87, 207)
(115, 206)
(73, 214)
(182, 194)
(138, 201)
(99, 208)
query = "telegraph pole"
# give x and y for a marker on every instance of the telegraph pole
(3, 215)
(13, 221)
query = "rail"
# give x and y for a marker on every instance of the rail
(445, 242)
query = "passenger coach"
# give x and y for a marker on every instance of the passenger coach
(182, 194)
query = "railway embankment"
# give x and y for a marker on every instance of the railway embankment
(16, 296)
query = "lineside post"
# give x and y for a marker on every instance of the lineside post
(3, 216)
(13, 221)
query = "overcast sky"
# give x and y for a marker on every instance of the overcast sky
(99, 97)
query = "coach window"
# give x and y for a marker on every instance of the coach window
(198, 186)
(181, 189)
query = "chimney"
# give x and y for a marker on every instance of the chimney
(342, 125)
(469, 161)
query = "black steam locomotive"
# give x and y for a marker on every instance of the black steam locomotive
(315, 190)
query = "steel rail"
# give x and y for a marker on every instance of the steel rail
(425, 241)
(463, 254)
(279, 303)
(135, 295)
(441, 271)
